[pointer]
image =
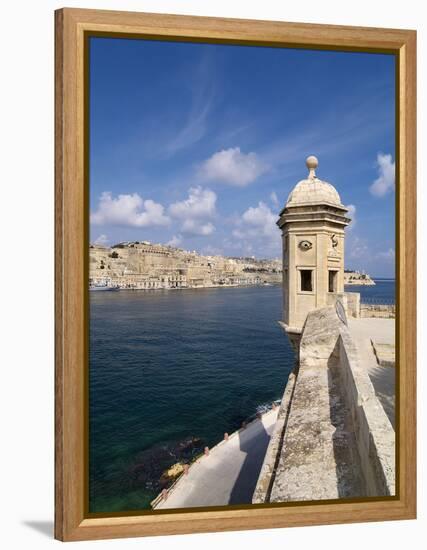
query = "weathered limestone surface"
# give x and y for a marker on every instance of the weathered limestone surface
(336, 440)
(263, 487)
(374, 434)
(313, 223)
(383, 379)
(385, 353)
(382, 311)
(333, 438)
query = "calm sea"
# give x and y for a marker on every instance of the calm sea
(170, 372)
(384, 291)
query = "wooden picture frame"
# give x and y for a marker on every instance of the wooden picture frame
(72, 521)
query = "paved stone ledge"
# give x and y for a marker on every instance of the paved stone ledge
(228, 474)
(385, 353)
(332, 438)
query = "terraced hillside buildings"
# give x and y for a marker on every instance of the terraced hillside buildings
(146, 266)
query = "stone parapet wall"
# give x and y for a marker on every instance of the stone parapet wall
(349, 300)
(353, 304)
(266, 476)
(332, 438)
(383, 311)
(375, 437)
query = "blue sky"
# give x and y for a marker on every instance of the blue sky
(199, 145)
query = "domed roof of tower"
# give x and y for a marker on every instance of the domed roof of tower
(313, 190)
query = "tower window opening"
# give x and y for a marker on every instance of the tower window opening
(332, 281)
(306, 280)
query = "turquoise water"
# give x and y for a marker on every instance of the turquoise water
(170, 372)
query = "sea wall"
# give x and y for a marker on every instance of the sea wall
(332, 438)
(349, 300)
(384, 311)
(353, 304)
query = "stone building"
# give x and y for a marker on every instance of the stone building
(312, 224)
(141, 265)
(334, 435)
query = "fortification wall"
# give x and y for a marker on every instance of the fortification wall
(267, 473)
(333, 438)
(374, 435)
(145, 266)
(383, 311)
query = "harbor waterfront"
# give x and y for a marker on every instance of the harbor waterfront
(171, 372)
(141, 265)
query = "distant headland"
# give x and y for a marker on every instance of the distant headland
(357, 278)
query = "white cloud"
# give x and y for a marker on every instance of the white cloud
(196, 212)
(233, 167)
(274, 199)
(352, 215)
(261, 218)
(258, 230)
(102, 240)
(128, 210)
(386, 176)
(175, 241)
(192, 132)
(196, 227)
(195, 108)
(357, 248)
(389, 254)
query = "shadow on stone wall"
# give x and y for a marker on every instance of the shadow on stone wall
(383, 380)
(347, 461)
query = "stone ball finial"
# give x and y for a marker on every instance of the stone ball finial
(312, 163)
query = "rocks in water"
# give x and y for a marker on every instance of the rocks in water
(172, 473)
(158, 467)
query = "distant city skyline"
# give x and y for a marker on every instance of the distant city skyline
(199, 145)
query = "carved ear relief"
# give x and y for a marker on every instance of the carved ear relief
(334, 241)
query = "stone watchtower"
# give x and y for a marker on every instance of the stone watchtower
(312, 223)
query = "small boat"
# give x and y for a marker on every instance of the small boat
(102, 286)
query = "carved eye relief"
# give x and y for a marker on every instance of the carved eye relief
(305, 245)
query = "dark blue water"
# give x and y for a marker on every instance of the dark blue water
(384, 291)
(169, 366)
(171, 371)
